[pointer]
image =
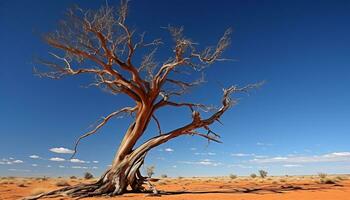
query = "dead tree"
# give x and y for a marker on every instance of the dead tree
(101, 44)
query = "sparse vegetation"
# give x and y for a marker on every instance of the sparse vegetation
(322, 175)
(21, 185)
(164, 176)
(233, 176)
(263, 173)
(150, 171)
(253, 175)
(327, 181)
(88, 175)
(73, 177)
(62, 183)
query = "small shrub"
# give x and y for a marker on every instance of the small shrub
(233, 176)
(21, 185)
(328, 181)
(164, 176)
(263, 173)
(62, 183)
(88, 175)
(253, 175)
(322, 175)
(150, 171)
(73, 177)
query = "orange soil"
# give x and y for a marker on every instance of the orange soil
(287, 188)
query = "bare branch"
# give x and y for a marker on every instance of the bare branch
(158, 124)
(100, 125)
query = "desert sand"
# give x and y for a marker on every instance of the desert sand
(211, 188)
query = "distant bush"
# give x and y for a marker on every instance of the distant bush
(88, 175)
(233, 176)
(322, 175)
(263, 173)
(150, 171)
(73, 177)
(328, 181)
(62, 183)
(253, 175)
(21, 185)
(164, 176)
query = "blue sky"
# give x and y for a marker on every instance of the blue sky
(297, 123)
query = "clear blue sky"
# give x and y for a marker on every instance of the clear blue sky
(297, 123)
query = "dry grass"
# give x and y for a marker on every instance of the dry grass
(37, 191)
(62, 183)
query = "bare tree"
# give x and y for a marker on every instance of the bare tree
(101, 44)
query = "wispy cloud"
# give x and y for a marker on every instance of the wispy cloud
(206, 162)
(263, 144)
(61, 150)
(56, 159)
(79, 167)
(34, 156)
(5, 161)
(240, 166)
(169, 149)
(19, 170)
(61, 166)
(34, 165)
(292, 165)
(241, 154)
(205, 154)
(193, 149)
(331, 157)
(75, 160)
(95, 161)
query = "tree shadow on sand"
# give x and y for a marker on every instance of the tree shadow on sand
(253, 190)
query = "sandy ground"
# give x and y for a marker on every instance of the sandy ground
(242, 188)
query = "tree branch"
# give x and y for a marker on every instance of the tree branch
(100, 125)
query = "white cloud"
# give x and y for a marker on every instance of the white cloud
(34, 165)
(79, 167)
(75, 160)
(240, 166)
(206, 162)
(94, 167)
(292, 165)
(57, 159)
(331, 157)
(205, 154)
(263, 144)
(17, 161)
(193, 149)
(34, 156)
(174, 166)
(61, 166)
(49, 166)
(95, 161)
(241, 154)
(169, 149)
(61, 150)
(19, 170)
